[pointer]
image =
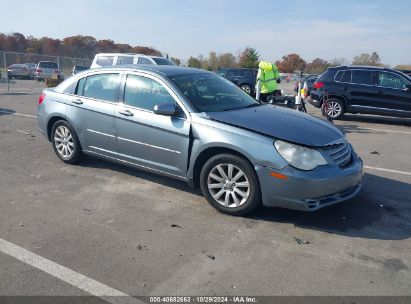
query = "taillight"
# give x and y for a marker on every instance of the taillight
(39, 70)
(318, 85)
(57, 71)
(41, 98)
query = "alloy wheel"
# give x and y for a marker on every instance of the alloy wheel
(246, 88)
(334, 109)
(228, 185)
(63, 141)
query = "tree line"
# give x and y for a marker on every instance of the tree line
(249, 58)
(75, 46)
(87, 46)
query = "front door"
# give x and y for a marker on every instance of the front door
(146, 139)
(393, 92)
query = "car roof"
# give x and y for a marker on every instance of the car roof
(165, 70)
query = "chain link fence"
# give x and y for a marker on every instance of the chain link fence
(65, 64)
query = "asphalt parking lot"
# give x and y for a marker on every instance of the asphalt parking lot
(141, 234)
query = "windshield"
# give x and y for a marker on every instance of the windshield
(163, 61)
(212, 93)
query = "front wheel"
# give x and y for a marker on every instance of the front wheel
(230, 184)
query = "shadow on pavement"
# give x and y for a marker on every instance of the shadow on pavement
(15, 93)
(6, 112)
(159, 179)
(357, 129)
(381, 211)
(377, 119)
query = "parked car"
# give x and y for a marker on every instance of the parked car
(78, 69)
(32, 67)
(110, 59)
(363, 89)
(198, 127)
(242, 77)
(21, 71)
(310, 79)
(46, 69)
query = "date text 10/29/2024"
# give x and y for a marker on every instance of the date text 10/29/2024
(205, 299)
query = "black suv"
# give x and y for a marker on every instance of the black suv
(242, 77)
(363, 89)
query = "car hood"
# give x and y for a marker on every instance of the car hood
(281, 123)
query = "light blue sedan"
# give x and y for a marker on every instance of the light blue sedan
(198, 127)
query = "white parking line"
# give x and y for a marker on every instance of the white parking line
(18, 114)
(386, 130)
(387, 170)
(76, 279)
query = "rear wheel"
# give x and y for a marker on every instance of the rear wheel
(246, 88)
(335, 108)
(65, 142)
(230, 184)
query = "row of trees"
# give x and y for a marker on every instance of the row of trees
(87, 46)
(249, 58)
(76, 46)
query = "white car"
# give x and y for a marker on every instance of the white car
(46, 70)
(110, 59)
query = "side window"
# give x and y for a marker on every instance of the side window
(346, 76)
(124, 60)
(80, 86)
(105, 60)
(100, 86)
(338, 76)
(143, 60)
(389, 80)
(361, 77)
(232, 73)
(145, 93)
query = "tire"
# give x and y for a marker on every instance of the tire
(336, 108)
(65, 142)
(225, 194)
(246, 88)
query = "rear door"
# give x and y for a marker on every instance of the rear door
(361, 91)
(393, 94)
(91, 112)
(146, 139)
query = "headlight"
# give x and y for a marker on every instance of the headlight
(298, 156)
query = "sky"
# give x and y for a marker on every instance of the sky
(182, 28)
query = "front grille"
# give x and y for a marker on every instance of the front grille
(341, 153)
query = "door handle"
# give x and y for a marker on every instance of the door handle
(76, 101)
(125, 112)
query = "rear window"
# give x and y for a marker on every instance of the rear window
(346, 77)
(361, 77)
(124, 60)
(232, 73)
(142, 60)
(105, 60)
(48, 65)
(163, 61)
(339, 75)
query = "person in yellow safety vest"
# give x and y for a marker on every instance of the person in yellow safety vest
(267, 78)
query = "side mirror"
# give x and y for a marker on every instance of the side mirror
(407, 87)
(166, 108)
